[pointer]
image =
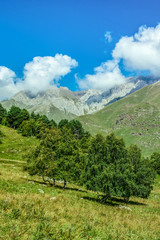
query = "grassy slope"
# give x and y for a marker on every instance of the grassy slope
(28, 214)
(25, 213)
(136, 118)
(15, 146)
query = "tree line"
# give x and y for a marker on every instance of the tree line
(67, 152)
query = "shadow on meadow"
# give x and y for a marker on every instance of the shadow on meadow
(58, 186)
(113, 201)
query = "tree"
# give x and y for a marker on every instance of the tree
(143, 173)
(3, 113)
(155, 162)
(95, 164)
(76, 128)
(66, 153)
(16, 116)
(63, 123)
(42, 161)
(28, 128)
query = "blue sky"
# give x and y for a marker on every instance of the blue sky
(73, 28)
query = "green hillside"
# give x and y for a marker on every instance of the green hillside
(31, 209)
(136, 118)
(14, 146)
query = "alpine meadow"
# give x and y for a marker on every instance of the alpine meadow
(79, 120)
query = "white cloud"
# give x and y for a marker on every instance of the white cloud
(142, 51)
(7, 85)
(42, 72)
(108, 36)
(106, 76)
(39, 75)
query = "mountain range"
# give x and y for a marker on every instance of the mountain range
(59, 103)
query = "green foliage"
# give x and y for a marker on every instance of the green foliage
(76, 128)
(155, 162)
(112, 169)
(69, 153)
(16, 116)
(42, 160)
(3, 113)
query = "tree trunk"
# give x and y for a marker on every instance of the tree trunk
(65, 183)
(54, 182)
(97, 195)
(126, 199)
(43, 178)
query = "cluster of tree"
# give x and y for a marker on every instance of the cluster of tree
(25, 123)
(67, 152)
(101, 164)
(35, 124)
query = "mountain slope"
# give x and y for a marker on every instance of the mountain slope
(136, 118)
(14, 146)
(59, 103)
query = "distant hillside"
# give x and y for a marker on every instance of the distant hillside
(136, 118)
(59, 103)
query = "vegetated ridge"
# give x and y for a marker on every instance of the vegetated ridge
(136, 118)
(59, 103)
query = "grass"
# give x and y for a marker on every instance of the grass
(136, 118)
(15, 146)
(27, 211)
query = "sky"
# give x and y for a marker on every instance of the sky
(76, 44)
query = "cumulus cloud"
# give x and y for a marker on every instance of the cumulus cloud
(105, 76)
(42, 72)
(39, 75)
(7, 85)
(108, 36)
(142, 51)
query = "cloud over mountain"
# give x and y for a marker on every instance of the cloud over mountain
(7, 85)
(39, 75)
(106, 76)
(140, 52)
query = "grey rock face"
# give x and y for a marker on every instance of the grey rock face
(59, 103)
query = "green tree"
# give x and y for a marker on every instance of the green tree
(3, 113)
(16, 116)
(66, 153)
(28, 128)
(76, 128)
(155, 162)
(42, 161)
(143, 173)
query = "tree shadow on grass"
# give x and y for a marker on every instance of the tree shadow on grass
(69, 188)
(112, 201)
(101, 201)
(57, 186)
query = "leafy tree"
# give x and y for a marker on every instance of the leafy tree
(95, 163)
(28, 128)
(155, 162)
(43, 160)
(143, 173)
(3, 113)
(16, 116)
(76, 128)
(66, 156)
(63, 123)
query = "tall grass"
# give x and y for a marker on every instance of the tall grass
(29, 209)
